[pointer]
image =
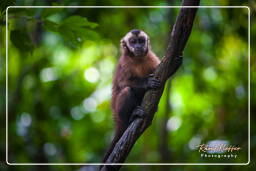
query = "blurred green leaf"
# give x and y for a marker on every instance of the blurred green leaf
(73, 29)
(51, 26)
(21, 40)
(5, 3)
(76, 22)
(50, 11)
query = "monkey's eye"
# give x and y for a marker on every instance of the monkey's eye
(141, 40)
(132, 41)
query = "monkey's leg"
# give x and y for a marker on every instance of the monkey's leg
(125, 103)
(139, 112)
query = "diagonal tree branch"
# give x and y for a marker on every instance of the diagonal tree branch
(168, 66)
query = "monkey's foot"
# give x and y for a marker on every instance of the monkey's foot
(138, 112)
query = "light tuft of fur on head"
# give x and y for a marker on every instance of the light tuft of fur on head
(124, 41)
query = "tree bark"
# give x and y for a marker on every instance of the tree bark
(168, 66)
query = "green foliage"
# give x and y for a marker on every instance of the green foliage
(77, 22)
(73, 28)
(50, 11)
(3, 6)
(21, 40)
(60, 67)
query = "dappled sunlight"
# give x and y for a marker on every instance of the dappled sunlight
(233, 53)
(174, 123)
(23, 123)
(240, 92)
(61, 57)
(209, 74)
(194, 142)
(176, 101)
(50, 149)
(102, 94)
(48, 74)
(90, 104)
(92, 75)
(78, 112)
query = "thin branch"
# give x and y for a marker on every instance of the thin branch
(168, 66)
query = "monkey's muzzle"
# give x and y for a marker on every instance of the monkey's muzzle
(139, 52)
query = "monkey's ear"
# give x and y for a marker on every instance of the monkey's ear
(123, 44)
(148, 42)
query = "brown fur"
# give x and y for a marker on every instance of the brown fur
(130, 67)
(129, 72)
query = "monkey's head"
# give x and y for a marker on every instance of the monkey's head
(135, 43)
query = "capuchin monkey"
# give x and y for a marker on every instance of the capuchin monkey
(133, 77)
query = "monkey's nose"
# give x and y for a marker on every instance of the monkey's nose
(137, 48)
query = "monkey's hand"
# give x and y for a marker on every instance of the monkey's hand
(152, 83)
(138, 112)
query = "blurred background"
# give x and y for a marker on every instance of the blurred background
(60, 67)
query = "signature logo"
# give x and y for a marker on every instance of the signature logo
(218, 149)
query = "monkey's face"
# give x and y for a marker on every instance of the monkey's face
(136, 43)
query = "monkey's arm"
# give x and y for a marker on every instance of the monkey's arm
(142, 84)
